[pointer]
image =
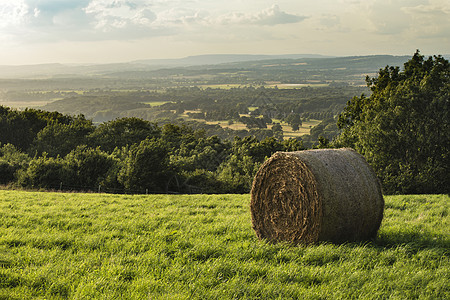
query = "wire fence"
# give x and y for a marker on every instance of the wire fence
(61, 187)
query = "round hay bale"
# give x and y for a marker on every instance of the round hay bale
(316, 195)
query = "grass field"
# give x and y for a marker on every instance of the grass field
(278, 85)
(224, 86)
(24, 104)
(98, 246)
(297, 85)
(305, 128)
(157, 103)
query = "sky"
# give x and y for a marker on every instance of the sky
(108, 31)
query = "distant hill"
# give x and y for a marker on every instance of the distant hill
(287, 70)
(212, 59)
(66, 70)
(154, 67)
(69, 70)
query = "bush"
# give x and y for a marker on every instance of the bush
(200, 181)
(147, 167)
(43, 172)
(88, 167)
(11, 160)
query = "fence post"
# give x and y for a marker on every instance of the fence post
(99, 188)
(60, 186)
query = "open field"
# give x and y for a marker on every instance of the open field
(296, 85)
(224, 86)
(157, 103)
(287, 129)
(98, 246)
(304, 129)
(278, 85)
(24, 104)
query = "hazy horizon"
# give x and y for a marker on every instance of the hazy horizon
(117, 31)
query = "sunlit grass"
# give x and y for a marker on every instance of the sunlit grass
(97, 246)
(225, 86)
(25, 104)
(297, 85)
(157, 103)
(304, 129)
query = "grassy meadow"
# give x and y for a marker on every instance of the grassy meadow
(304, 129)
(99, 246)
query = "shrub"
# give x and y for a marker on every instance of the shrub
(43, 172)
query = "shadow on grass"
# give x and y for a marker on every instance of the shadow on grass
(414, 240)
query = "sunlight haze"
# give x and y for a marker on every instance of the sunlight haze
(107, 31)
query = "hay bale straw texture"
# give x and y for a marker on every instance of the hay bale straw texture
(310, 196)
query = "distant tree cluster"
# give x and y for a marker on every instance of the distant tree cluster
(54, 151)
(209, 104)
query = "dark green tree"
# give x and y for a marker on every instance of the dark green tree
(147, 167)
(294, 120)
(237, 173)
(11, 160)
(403, 127)
(88, 168)
(20, 128)
(292, 145)
(59, 138)
(277, 131)
(122, 132)
(43, 172)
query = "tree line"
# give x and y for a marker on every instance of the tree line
(51, 150)
(212, 104)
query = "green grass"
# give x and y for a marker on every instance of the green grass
(298, 85)
(157, 103)
(97, 246)
(279, 85)
(288, 133)
(224, 86)
(305, 128)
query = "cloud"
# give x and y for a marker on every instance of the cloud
(387, 17)
(405, 17)
(53, 13)
(330, 21)
(215, 21)
(53, 20)
(410, 21)
(430, 20)
(183, 16)
(43, 20)
(270, 17)
(110, 15)
(56, 20)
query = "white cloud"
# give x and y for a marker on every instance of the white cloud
(271, 16)
(431, 20)
(119, 13)
(12, 13)
(322, 26)
(183, 16)
(53, 13)
(53, 20)
(404, 17)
